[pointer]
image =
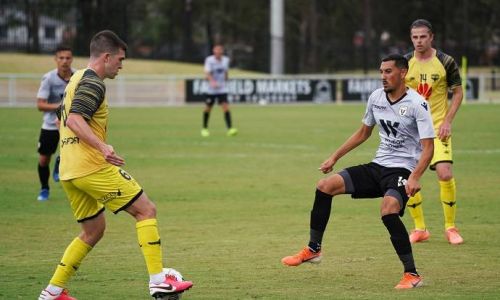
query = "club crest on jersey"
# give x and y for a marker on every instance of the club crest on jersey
(403, 110)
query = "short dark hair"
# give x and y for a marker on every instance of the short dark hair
(421, 23)
(400, 61)
(63, 47)
(106, 41)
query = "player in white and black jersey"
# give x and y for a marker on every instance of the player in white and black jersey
(216, 71)
(49, 98)
(406, 146)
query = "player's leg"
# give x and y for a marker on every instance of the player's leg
(90, 215)
(118, 190)
(392, 207)
(420, 233)
(415, 203)
(231, 131)
(443, 159)
(209, 102)
(399, 238)
(55, 173)
(43, 176)
(47, 145)
(448, 201)
(336, 184)
(144, 211)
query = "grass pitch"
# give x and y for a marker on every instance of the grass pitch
(230, 208)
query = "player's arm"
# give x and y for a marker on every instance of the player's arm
(445, 128)
(454, 82)
(413, 185)
(43, 94)
(361, 135)
(43, 105)
(81, 128)
(208, 74)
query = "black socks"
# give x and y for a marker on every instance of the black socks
(43, 175)
(400, 241)
(319, 219)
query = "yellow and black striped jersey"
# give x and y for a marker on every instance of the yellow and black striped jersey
(84, 95)
(432, 79)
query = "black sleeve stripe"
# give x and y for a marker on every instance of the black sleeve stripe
(89, 96)
(452, 72)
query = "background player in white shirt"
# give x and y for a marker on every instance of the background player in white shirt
(49, 98)
(405, 150)
(216, 71)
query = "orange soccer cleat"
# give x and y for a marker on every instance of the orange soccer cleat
(453, 236)
(417, 236)
(410, 281)
(306, 255)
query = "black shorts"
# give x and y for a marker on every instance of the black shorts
(220, 98)
(373, 181)
(47, 143)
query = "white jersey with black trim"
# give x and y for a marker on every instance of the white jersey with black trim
(402, 124)
(218, 70)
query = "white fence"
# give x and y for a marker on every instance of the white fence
(19, 90)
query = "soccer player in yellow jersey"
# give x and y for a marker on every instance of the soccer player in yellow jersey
(432, 73)
(91, 176)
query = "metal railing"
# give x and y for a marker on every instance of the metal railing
(19, 90)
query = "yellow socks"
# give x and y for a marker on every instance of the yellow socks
(415, 207)
(70, 262)
(149, 241)
(448, 200)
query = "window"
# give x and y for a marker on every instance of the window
(50, 32)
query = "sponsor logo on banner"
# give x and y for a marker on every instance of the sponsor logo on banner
(268, 90)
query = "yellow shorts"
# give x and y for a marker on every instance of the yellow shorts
(442, 152)
(110, 187)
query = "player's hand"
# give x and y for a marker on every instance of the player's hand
(444, 131)
(327, 166)
(110, 156)
(412, 187)
(214, 84)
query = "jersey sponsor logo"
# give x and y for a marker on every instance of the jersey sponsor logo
(70, 141)
(403, 110)
(401, 181)
(435, 77)
(379, 107)
(425, 90)
(389, 127)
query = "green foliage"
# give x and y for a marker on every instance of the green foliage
(230, 208)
